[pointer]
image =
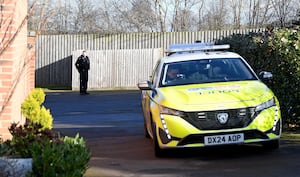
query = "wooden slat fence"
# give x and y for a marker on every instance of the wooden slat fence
(117, 69)
(54, 61)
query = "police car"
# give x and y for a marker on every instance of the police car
(203, 95)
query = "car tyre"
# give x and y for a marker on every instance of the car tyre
(146, 133)
(271, 145)
(157, 150)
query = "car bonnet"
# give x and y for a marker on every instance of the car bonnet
(214, 96)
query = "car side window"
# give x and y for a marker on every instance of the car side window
(155, 74)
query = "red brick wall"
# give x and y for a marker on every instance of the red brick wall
(16, 63)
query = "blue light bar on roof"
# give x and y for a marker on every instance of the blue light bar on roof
(177, 48)
(191, 45)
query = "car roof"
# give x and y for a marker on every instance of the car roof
(199, 55)
(196, 51)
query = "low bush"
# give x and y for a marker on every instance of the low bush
(23, 138)
(52, 154)
(68, 158)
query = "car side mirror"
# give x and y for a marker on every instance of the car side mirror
(144, 85)
(264, 75)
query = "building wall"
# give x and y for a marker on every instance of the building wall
(16, 63)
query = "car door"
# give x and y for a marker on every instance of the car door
(148, 96)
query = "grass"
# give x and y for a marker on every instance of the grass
(291, 135)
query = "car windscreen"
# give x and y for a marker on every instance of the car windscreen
(205, 71)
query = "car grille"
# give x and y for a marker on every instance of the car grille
(208, 120)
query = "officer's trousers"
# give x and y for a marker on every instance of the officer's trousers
(83, 80)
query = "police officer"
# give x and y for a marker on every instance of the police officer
(83, 65)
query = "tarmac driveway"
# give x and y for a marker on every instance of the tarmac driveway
(112, 124)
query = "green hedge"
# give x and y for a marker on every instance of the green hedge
(277, 51)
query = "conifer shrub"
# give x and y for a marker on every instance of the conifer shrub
(34, 111)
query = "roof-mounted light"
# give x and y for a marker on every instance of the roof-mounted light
(180, 48)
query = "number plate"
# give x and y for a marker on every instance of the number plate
(224, 139)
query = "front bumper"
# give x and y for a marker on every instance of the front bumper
(177, 133)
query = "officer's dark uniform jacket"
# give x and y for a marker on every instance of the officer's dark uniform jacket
(83, 65)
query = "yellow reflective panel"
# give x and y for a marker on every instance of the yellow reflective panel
(178, 127)
(265, 120)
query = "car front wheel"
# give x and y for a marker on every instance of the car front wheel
(271, 145)
(146, 133)
(157, 150)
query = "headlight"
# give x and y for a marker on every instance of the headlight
(169, 111)
(265, 105)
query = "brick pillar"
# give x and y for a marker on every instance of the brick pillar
(16, 63)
